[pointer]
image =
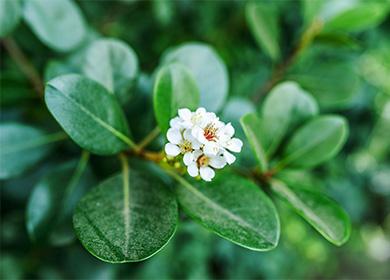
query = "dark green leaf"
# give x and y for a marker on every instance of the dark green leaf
(112, 63)
(315, 142)
(59, 24)
(51, 204)
(88, 113)
(286, 107)
(262, 19)
(323, 213)
(174, 89)
(22, 146)
(10, 13)
(253, 130)
(208, 70)
(250, 221)
(126, 219)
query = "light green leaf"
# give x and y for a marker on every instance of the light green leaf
(88, 113)
(127, 218)
(112, 63)
(174, 89)
(58, 23)
(253, 130)
(323, 213)
(208, 70)
(22, 146)
(250, 221)
(315, 142)
(10, 13)
(262, 19)
(286, 107)
(51, 204)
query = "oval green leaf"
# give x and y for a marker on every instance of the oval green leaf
(323, 213)
(250, 221)
(286, 107)
(112, 63)
(208, 70)
(10, 13)
(126, 218)
(22, 146)
(59, 24)
(262, 19)
(174, 89)
(88, 113)
(315, 142)
(51, 204)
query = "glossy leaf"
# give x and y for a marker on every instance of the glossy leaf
(126, 219)
(323, 213)
(51, 204)
(174, 89)
(208, 70)
(88, 113)
(286, 107)
(112, 63)
(315, 142)
(58, 24)
(10, 13)
(252, 126)
(22, 146)
(262, 19)
(250, 221)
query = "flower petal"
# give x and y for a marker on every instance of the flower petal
(228, 130)
(217, 162)
(198, 134)
(193, 170)
(207, 173)
(174, 135)
(175, 123)
(230, 158)
(234, 145)
(188, 158)
(211, 148)
(185, 114)
(171, 150)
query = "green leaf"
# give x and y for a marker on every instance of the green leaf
(51, 204)
(262, 19)
(22, 146)
(174, 88)
(252, 127)
(315, 142)
(10, 13)
(58, 24)
(250, 221)
(208, 70)
(323, 213)
(127, 218)
(88, 113)
(286, 107)
(112, 63)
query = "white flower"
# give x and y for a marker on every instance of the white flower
(202, 164)
(205, 142)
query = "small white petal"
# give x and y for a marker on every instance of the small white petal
(174, 135)
(185, 114)
(175, 123)
(188, 158)
(217, 162)
(198, 134)
(193, 170)
(196, 154)
(234, 145)
(211, 148)
(230, 158)
(228, 130)
(200, 111)
(207, 173)
(171, 150)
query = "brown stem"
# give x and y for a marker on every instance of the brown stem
(306, 39)
(24, 64)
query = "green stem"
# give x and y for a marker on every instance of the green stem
(82, 164)
(126, 197)
(149, 138)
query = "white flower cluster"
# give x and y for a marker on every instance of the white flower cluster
(204, 141)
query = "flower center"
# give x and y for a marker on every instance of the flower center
(185, 146)
(203, 161)
(210, 132)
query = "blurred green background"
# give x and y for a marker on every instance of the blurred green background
(359, 178)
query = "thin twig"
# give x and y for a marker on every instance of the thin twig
(149, 138)
(24, 64)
